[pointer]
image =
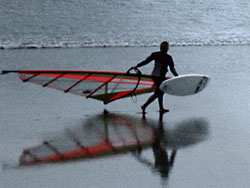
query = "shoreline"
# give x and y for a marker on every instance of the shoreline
(122, 46)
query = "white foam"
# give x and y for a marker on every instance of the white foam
(72, 44)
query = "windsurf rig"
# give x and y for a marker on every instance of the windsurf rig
(99, 85)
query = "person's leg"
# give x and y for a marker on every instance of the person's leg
(160, 94)
(150, 100)
(157, 94)
(152, 97)
(160, 99)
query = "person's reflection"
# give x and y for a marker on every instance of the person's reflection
(163, 163)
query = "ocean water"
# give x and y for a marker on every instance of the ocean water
(82, 23)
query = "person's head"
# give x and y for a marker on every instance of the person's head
(164, 46)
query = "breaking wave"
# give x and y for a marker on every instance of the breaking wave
(75, 44)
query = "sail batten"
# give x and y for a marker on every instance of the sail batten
(78, 82)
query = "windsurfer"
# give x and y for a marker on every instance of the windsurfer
(162, 61)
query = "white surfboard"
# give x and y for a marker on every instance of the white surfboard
(183, 85)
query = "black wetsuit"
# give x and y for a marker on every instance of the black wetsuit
(162, 62)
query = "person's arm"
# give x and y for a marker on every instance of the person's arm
(172, 68)
(146, 61)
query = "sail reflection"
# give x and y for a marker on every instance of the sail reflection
(111, 134)
(101, 135)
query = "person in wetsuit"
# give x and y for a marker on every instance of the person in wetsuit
(162, 61)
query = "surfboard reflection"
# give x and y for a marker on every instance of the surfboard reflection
(110, 134)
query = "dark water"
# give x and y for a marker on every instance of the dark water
(218, 156)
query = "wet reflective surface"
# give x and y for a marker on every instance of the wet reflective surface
(111, 133)
(204, 138)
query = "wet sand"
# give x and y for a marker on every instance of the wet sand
(30, 114)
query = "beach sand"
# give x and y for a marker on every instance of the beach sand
(29, 114)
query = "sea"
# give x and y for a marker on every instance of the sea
(204, 137)
(112, 23)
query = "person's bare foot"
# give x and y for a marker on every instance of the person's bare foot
(163, 110)
(143, 109)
